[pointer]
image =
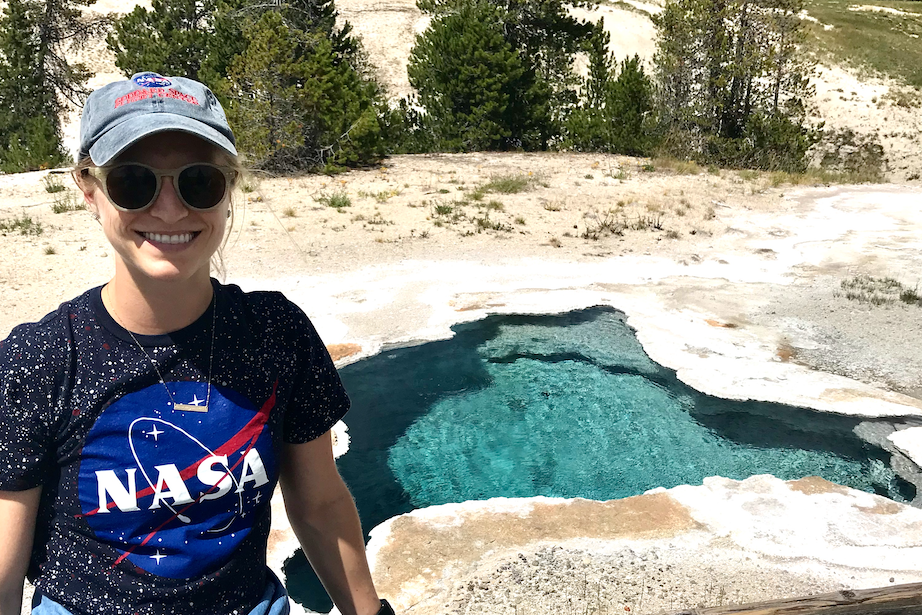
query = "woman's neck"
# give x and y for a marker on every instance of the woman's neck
(156, 307)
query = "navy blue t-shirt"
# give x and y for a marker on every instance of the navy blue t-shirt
(146, 507)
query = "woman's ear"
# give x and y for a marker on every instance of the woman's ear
(87, 186)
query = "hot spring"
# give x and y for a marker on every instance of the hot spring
(564, 406)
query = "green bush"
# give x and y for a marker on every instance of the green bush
(31, 145)
(507, 184)
(857, 157)
(337, 200)
(770, 143)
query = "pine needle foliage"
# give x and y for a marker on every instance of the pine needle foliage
(36, 78)
(542, 37)
(732, 84)
(294, 105)
(616, 113)
(477, 92)
(294, 84)
(171, 38)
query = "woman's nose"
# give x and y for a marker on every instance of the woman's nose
(168, 206)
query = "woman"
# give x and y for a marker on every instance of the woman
(145, 424)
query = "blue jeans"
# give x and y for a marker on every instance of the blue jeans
(273, 602)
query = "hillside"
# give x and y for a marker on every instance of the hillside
(869, 59)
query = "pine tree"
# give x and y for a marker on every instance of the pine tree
(629, 106)
(546, 37)
(36, 78)
(588, 127)
(615, 114)
(477, 92)
(295, 104)
(293, 82)
(170, 38)
(728, 75)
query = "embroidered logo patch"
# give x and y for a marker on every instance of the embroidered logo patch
(146, 93)
(152, 80)
(175, 492)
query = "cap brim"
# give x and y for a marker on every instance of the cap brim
(132, 130)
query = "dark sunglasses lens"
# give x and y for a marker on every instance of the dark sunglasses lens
(131, 186)
(202, 186)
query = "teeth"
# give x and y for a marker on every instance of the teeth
(171, 239)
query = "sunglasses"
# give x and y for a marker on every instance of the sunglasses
(132, 186)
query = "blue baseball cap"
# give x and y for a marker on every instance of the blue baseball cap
(120, 114)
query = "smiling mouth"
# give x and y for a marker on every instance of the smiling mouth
(175, 239)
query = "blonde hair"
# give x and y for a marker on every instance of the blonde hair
(217, 259)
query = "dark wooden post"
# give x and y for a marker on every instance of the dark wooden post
(895, 600)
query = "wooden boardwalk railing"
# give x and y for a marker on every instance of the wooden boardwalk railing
(894, 600)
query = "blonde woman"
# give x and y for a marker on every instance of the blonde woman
(145, 424)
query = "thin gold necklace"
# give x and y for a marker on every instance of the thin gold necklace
(180, 407)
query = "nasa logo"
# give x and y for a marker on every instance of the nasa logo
(152, 80)
(175, 492)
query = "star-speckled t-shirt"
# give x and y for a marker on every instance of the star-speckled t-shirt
(150, 503)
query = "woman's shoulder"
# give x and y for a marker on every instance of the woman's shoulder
(47, 338)
(272, 310)
(257, 300)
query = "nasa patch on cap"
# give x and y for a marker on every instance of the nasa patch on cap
(151, 80)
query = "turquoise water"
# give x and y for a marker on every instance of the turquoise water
(571, 428)
(568, 406)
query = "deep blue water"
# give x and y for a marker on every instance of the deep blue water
(567, 406)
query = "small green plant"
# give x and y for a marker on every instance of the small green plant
(680, 167)
(620, 175)
(378, 220)
(290, 212)
(53, 183)
(911, 296)
(485, 224)
(877, 291)
(520, 221)
(607, 224)
(478, 194)
(508, 184)
(496, 206)
(644, 223)
(442, 210)
(248, 184)
(672, 234)
(382, 196)
(22, 224)
(443, 191)
(336, 200)
(588, 176)
(648, 168)
(748, 175)
(49, 250)
(66, 201)
(553, 206)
